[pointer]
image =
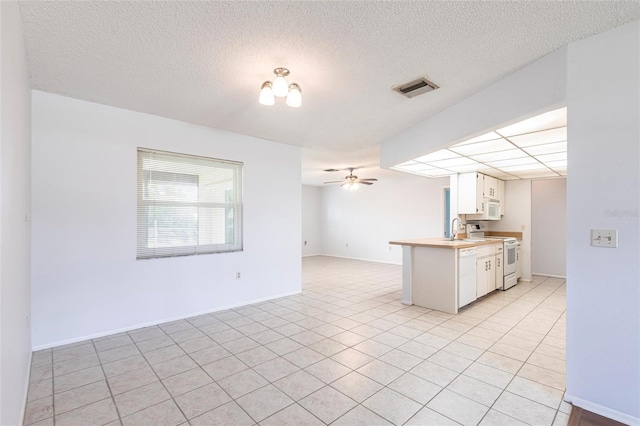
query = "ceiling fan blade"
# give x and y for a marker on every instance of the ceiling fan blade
(364, 182)
(371, 179)
(331, 170)
(336, 181)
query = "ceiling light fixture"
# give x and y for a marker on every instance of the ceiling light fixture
(280, 88)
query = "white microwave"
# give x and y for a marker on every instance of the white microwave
(490, 211)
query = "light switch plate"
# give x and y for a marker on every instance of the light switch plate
(604, 238)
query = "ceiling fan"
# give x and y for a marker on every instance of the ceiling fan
(351, 181)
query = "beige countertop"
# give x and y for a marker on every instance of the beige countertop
(443, 243)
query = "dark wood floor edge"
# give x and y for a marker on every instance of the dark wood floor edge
(582, 417)
(575, 416)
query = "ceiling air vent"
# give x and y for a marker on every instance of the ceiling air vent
(416, 87)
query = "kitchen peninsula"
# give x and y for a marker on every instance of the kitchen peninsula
(430, 272)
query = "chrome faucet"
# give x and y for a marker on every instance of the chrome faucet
(454, 230)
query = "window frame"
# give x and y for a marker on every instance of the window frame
(143, 251)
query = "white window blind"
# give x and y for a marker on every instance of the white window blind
(187, 205)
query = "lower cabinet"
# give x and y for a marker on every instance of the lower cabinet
(519, 262)
(499, 269)
(485, 270)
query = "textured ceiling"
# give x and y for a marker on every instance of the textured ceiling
(203, 61)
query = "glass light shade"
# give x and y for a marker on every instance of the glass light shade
(294, 98)
(280, 87)
(266, 94)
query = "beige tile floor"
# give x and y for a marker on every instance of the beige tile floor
(344, 352)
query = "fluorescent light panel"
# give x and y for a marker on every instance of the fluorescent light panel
(539, 138)
(482, 147)
(443, 154)
(533, 147)
(548, 120)
(550, 148)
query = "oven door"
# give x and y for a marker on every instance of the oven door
(510, 261)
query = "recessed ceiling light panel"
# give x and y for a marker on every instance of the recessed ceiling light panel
(443, 154)
(548, 120)
(540, 138)
(482, 147)
(500, 155)
(550, 148)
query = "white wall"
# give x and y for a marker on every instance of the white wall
(397, 207)
(603, 291)
(86, 279)
(517, 218)
(15, 205)
(311, 211)
(549, 227)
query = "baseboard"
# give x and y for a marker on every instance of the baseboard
(161, 321)
(311, 255)
(550, 275)
(363, 259)
(26, 391)
(603, 411)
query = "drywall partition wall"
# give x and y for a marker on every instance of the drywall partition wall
(517, 218)
(86, 279)
(15, 206)
(603, 291)
(311, 209)
(359, 224)
(511, 99)
(549, 227)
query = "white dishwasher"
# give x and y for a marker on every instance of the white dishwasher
(466, 276)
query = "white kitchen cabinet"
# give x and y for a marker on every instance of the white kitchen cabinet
(519, 262)
(470, 193)
(501, 197)
(499, 268)
(490, 187)
(473, 189)
(485, 270)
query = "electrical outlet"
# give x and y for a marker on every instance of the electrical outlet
(237, 275)
(604, 238)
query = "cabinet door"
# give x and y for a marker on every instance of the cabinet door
(501, 196)
(491, 274)
(482, 267)
(490, 187)
(499, 271)
(470, 188)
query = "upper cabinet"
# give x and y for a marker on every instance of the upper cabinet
(470, 193)
(474, 190)
(501, 195)
(490, 187)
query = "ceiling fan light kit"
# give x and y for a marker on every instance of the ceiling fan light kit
(351, 182)
(280, 88)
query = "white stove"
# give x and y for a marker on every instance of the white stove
(510, 246)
